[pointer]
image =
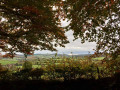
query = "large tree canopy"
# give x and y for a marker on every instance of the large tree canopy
(28, 25)
(95, 20)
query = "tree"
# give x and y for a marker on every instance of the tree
(27, 65)
(95, 20)
(28, 25)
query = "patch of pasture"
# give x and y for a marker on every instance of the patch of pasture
(5, 62)
(98, 58)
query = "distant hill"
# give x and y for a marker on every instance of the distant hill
(51, 55)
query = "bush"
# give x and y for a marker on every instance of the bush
(27, 65)
(36, 73)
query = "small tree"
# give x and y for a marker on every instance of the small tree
(36, 73)
(27, 65)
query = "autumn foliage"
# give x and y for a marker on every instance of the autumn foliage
(28, 25)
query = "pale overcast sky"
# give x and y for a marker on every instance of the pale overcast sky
(74, 46)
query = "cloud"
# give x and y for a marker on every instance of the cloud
(74, 46)
(77, 45)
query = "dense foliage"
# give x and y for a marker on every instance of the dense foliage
(27, 65)
(79, 72)
(60, 68)
(28, 25)
(95, 20)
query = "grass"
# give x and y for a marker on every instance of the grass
(33, 66)
(98, 58)
(5, 62)
(36, 66)
(14, 61)
(19, 66)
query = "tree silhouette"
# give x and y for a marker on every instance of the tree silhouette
(95, 20)
(28, 25)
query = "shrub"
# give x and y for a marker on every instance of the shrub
(36, 73)
(27, 65)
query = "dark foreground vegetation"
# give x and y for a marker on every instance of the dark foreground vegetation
(63, 74)
(80, 84)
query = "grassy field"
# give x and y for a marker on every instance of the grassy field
(33, 66)
(98, 58)
(5, 62)
(59, 60)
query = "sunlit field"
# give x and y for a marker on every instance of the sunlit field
(7, 62)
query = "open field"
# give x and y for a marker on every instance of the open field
(98, 58)
(43, 59)
(5, 62)
(33, 66)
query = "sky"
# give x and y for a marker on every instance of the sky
(76, 47)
